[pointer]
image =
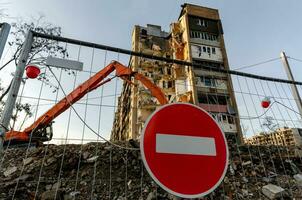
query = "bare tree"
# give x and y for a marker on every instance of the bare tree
(41, 48)
(269, 124)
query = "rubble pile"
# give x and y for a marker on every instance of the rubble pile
(103, 171)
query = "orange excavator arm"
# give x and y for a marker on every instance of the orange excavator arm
(38, 128)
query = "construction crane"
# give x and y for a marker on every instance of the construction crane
(41, 130)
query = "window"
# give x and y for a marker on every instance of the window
(213, 50)
(144, 32)
(199, 51)
(202, 22)
(161, 70)
(204, 49)
(167, 84)
(208, 50)
(203, 35)
(211, 98)
(169, 71)
(207, 82)
(231, 120)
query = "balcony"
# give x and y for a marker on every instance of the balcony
(226, 122)
(213, 107)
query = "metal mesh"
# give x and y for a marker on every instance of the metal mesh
(78, 163)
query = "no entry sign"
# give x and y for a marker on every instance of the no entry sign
(184, 150)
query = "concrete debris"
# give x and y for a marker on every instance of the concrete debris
(92, 159)
(27, 160)
(52, 194)
(108, 172)
(246, 163)
(273, 191)
(10, 171)
(298, 178)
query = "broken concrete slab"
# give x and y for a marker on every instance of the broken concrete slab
(10, 171)
(273, 191)
(52, 194)
(27, 161)
(92, 159)
(298, 178)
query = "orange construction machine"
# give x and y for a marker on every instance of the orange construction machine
(41, 129)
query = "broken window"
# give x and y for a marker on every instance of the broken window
(211, 98)
(166, 84)
(144, 33)
(202, 22)
(207, 82)
(213, 50)
(199, 50)
(209, 50)
(160, 69)
(169, 71)
(231, 120)
(206, 64)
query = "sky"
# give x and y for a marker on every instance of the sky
(254, 31)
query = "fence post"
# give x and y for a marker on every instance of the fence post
(291, 78)
(13, 92)
(5, 28)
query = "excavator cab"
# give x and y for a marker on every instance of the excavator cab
(44, 134)
(16, 138)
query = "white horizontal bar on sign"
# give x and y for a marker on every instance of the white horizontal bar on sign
(64, 63)
(189, 145)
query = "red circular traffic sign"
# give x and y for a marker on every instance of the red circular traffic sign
(184, 150)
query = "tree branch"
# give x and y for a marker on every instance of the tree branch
(7, 90)
(7, 63)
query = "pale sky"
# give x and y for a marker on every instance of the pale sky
(254, 31)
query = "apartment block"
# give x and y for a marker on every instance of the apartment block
(283, 137)
(196, 37)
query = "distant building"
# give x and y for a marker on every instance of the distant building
(282, 137)
(196, 37)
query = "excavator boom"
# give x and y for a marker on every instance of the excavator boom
(41, 129)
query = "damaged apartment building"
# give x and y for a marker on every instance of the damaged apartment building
(196, 37)
(289, 137)
(282, 137)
